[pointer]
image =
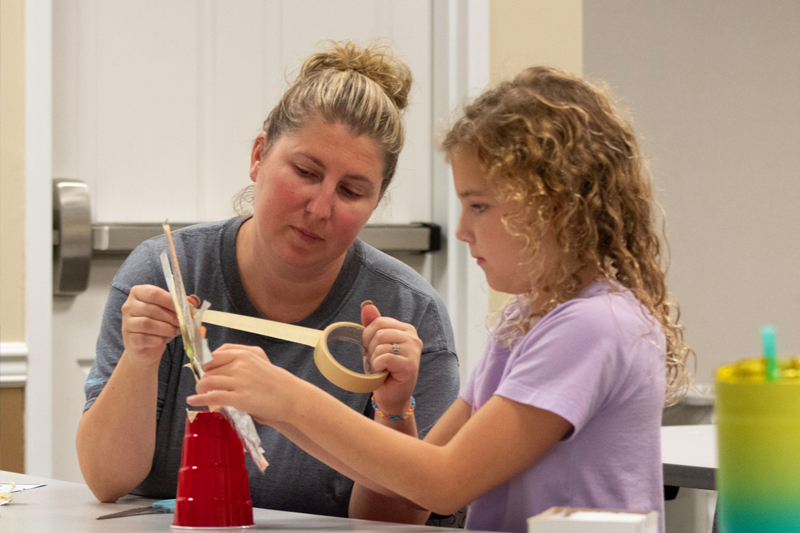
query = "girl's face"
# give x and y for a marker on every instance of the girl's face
(315, 190)
(499, 253)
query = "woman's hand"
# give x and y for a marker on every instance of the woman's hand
(381, 335)
(149, 322)
(242, 377)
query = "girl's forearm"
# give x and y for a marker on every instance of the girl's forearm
(378, 457)
(384, 506)
(309, 446)
(373, 502)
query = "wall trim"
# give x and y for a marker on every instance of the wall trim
(13, 364)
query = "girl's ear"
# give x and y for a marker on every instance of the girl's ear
(549, 212)
(257, 154)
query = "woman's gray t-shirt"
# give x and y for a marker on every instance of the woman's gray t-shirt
(294, 481)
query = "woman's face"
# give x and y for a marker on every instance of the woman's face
(499, 253)
(315, 190)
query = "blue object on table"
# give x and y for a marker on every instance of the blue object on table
(161, 506)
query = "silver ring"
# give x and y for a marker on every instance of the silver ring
(395, 348)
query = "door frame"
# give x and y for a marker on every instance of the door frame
(38, 237)
(460, 70)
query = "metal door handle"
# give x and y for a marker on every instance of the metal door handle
(72, 236)
(415, 238)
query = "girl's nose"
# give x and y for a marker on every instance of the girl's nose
(463, 233)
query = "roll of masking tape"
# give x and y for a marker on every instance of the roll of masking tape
(327, 364)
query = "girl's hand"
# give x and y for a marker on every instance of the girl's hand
(380, 335)
(149, 322)
(242, 377)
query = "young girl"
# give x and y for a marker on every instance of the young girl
(564, 409)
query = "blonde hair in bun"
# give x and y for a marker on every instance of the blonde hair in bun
(363, 87)
(376, 62)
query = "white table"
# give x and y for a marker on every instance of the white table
(689, 455)
(66, 507)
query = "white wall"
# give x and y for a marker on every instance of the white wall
(712, 88)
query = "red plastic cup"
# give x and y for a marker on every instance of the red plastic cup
(213, 491)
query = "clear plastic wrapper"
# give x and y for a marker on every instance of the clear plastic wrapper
(198, 352)
(241, 421)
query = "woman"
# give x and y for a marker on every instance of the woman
(320, 166)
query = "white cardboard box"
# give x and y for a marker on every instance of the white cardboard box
(573, 520)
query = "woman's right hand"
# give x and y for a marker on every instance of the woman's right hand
(149, 322)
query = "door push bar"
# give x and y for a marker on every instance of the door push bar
(72, 236)
(76, 239)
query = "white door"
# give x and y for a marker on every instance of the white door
(156, 104)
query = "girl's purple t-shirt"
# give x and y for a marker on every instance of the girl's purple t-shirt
(598, 362)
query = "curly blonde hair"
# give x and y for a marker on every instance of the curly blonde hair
(554, 147)
(363, 87)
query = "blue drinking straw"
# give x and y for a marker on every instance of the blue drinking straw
(772, 371)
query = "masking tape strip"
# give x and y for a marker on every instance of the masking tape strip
(334, 371)
(260, 326)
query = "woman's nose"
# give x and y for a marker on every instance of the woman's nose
(321, 203)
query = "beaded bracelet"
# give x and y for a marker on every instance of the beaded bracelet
(393, 417)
